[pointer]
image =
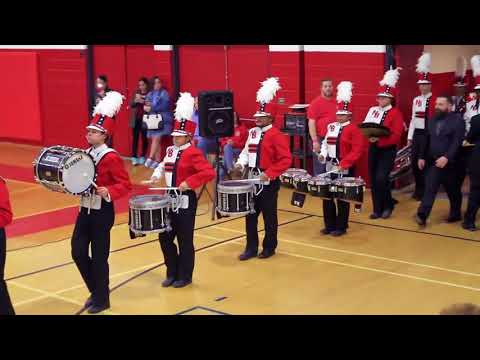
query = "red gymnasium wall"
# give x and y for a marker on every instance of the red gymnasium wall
(45, 94)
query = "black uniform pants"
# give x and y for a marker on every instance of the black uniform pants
(435, 177)
(180, 263)
(137, 131)
(94, 230)
(418, 142)
(380, 165)
(473, 200)
(6, 307)
(335, 216)
(462, 162)
(265, 203)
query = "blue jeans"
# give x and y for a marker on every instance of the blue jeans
(229, 152)
(318, 167)
(207, 145)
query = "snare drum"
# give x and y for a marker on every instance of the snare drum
(321, 187)
(149, 214)
(65, 169)
(300, 182)
(349, 189)
(235, 198)
(286, 178)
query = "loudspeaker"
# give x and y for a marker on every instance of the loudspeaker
(215, 111)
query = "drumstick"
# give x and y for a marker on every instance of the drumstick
(91, 181)
(147, 182)
(242, 180)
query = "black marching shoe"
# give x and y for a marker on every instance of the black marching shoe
(421, 219)
(469, 226)
(181, 283)
(247, 255)
(387, 213)
(168, 282)
(88, 303)
(395, 201)
(95, 309)
(337, 233)
(265, 254)
(374, 216)
(453, 218)
(325, 231)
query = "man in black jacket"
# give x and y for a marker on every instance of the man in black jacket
(444, 137)
(473, 137)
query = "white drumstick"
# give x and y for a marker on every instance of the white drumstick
(91, 181)
(147, 182)
(243, 180)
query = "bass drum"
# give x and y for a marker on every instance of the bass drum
(65, 169)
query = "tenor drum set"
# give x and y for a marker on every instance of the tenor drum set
(349, 189)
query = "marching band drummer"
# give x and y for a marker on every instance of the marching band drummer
(382, 151)
(6, 215)
(267, 155)
(421, 112)
(341, 149)
(185, 167)
(97, 214)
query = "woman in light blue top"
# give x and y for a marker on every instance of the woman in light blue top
(158, 102)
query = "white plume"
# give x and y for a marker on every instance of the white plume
(461, 70)
(268, 90)
(390, 78)
(344, 91)
(475, 62)
(110, 105)
(185, 106)
(424, 63)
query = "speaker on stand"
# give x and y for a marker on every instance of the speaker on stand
(216, 119)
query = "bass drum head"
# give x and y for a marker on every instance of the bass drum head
(78, 171)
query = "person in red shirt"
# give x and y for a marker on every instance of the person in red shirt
(342, 147)
(267, 155)
(320, 113)
(97, 214)
(232, 146)
(6, 216)
(382, 151)
(186, 168)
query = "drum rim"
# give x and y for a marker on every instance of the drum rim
(225, 213)
(236, 189)
(146, 232)
(165, 201)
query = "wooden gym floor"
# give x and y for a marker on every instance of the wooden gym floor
(379, 267)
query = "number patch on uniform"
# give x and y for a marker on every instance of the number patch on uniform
(376, 114)
(170, 152)
(254, 134)
(332, 127)
(418, 102)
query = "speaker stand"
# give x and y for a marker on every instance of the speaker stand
(217, 171)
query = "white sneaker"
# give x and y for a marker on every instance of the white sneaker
(134, 161)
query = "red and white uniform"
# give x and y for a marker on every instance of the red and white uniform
(343, 145)
(267, 149)
(239, 137)
(111, 171)
(6, 215)
(185, 163)
(472, 109)
(389, 117)
(421, 110)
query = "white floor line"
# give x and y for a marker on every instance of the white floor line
(433, 267)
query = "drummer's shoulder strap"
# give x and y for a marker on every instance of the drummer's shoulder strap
(105, 152)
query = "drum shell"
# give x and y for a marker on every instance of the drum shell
(300, 183)
(149, 214)
(321, 188)
(286, 179)
(347, 191)
(234, 199)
